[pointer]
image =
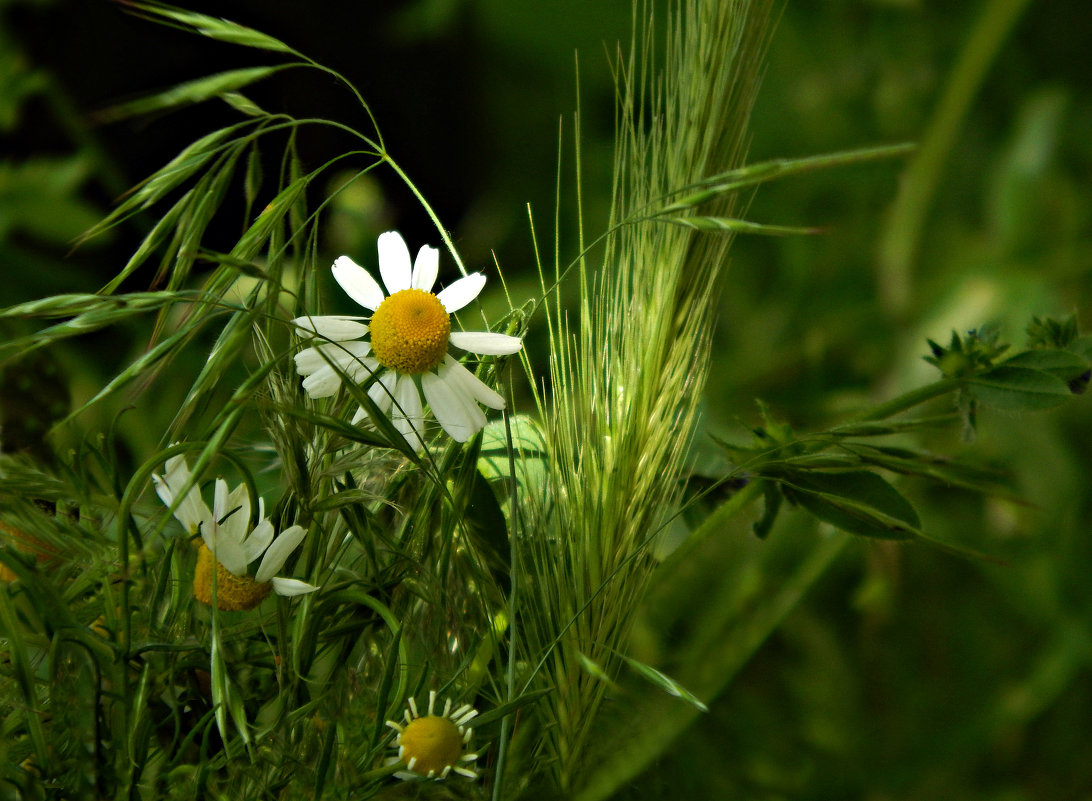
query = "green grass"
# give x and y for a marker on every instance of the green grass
(870, 584)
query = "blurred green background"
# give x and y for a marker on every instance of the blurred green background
(905, 673)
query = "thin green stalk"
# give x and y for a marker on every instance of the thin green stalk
(380, 145)
(899, 245)
(908, 400)
(513, 611)
(428, 210)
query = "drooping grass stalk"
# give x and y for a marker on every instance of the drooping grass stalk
(627, 375)
(898, 247)
(503, 739)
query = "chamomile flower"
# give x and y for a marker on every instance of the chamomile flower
(433, 746)
(227, 547)
(191, 511)
(404, 344)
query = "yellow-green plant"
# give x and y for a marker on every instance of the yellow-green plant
(626, 375)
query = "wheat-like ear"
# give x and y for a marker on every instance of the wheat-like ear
(626, 378)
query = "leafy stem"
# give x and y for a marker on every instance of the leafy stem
(908, 400)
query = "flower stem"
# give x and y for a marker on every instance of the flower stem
(909, 400)
(513, 609)
(428, 210)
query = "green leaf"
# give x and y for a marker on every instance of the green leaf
(21, 665)
(19, 81)
(527, 438)
(934, 468)
(529, 449)
(191, 159)
(272, 216)
(595, 670)
(91, 312)
(484, 518)
(666, 683)
(772, 496)
(731, 225)
(82, 307)
(393, 665)
(755, 174)
(252, 182)
(175, 172)
(221, 30)
(335, 425)
(1019, 388)
(508, 708)
(159, 234)
(856, 501)
(347, 497)
(243, 104)
(1082, 346)
(198, 90)
(39, 197)
(883, 428)
(1064, 364)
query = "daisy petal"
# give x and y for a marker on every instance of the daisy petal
(407, 399)
(174, 478)
(277, 553)
(338, 329)
(219, 499)
(228, 553)
(323, 383)
(163, 489)
(258, 541)
(362, 369)
(394, 262)
(382, 391)
(317, 365)
(455, 374)
(461, 292)
(237, 511)
(357, 283)
(311, 360)
(409, 415)
(456, 412)
(308, 361)
(290, 587)
(192, 510)
(232, 511)
(486, 343)
(425, 268)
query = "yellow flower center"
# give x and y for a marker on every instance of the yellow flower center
(431, 744)
(233, 593)
(410, 331)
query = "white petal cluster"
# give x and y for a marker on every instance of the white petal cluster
(224, 529)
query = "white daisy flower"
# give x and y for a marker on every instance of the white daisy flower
(407, 344)
(192, 510)
(227, 545)
(432, 746)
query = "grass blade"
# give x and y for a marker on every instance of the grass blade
(221, 30)
(190, 92)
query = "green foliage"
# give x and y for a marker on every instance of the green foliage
(614, 584)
